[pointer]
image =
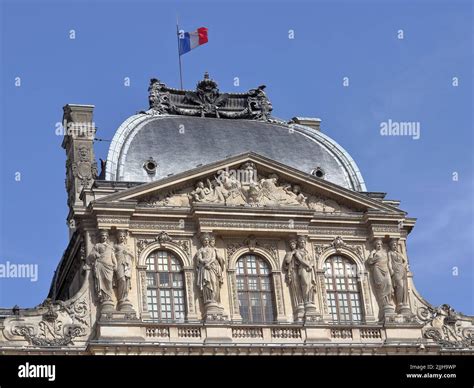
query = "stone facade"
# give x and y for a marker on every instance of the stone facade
(305, 233)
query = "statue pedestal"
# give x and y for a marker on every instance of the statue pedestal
(404, 309)
(311, 314)
(215, 324)
(217, 334)
(118, 315)
(107, 306)
(125, 306)
(214, 313)
(317, 334)
(300, 312)
(388, 311)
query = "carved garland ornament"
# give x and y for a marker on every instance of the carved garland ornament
(251, 243)
(162, 238)
(337, 244)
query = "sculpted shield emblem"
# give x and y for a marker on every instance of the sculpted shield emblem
(83, 171)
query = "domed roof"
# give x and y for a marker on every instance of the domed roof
(238, 123)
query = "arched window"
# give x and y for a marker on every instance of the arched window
(165, 289)
(254, 289)
(342, 289)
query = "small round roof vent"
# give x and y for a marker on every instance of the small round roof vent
(150, 166)
(318, 172)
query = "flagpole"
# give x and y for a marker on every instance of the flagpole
(179, 55)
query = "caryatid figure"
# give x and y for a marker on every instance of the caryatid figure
(301, 277)
(123, 274)
(292, 278)
(209, 268)
(104, 265)
(399, 277)
(380, 268)
(305, 269)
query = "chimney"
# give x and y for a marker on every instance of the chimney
(312, 122)
(81, 166)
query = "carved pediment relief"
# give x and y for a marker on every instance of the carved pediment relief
(245, 186)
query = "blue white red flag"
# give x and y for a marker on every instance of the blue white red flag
(190, 40)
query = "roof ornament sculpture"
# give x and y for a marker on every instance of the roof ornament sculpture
(207, 101)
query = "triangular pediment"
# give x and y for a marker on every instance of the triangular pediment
(249, 180)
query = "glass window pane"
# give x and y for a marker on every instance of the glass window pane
(165, 297)
(254, 289)
(342, 289)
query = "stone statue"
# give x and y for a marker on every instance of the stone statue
(209, 268)
(380, 269)
(399, 277)
(301, 277)
(259, 103)
(292, 279)
(229, 189)
(104, 264)
(202, 193)
(158, 96)
(295, 195)
(123, 272)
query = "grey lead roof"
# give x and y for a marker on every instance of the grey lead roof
(179, 143)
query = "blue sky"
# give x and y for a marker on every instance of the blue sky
(406, 79)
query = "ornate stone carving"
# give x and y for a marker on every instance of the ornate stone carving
(241, 224)
(386, 229)
(243, 187)
(446, 327)
(123, 273)
(380, 270)
(113, 220)
(278, 296)
(54, 323)
(168, 199)
(367, 299)
(260, 106)
(162, 238)
(323, 294)
(301, 278)
(228, 189)
(158, 96)
(338, 243)
(184, 245)
(144, 290)
(104, 264)
(209, 275)
(207, 97)
(251, 243)
(350, 231)
(189, 293)
(399, 269)
(85, 170)
(235, 297)
(152, 225)
(207, 101)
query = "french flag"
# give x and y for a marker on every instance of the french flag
(190, 40)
